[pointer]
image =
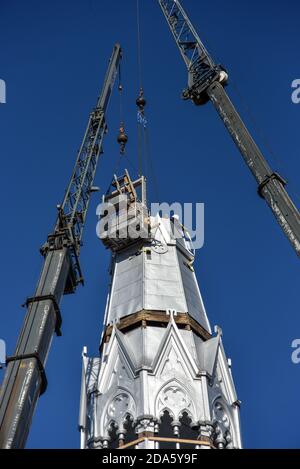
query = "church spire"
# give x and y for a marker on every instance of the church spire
(162, 379)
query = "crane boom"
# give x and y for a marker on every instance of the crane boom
(206, 82)
(25, 377)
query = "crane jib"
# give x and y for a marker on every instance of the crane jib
(206, 82)
(25, 377)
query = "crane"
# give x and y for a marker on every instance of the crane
(206, 81)
(25, 377)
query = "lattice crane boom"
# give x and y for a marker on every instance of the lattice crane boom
(25, 377)
(72, 212)
(206, 81)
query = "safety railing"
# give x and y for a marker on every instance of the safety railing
(176, 441)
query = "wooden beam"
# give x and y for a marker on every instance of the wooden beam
(133, 443)
(145, 318)
(167, 440)
(181, 440)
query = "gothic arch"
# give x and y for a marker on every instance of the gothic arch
(190, 415)
(165, 410)
(187, 430)
(174, 398)
(166, 429)
(129, 426)
(119, 407)
(112, 432)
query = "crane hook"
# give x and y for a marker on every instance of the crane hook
(141, 101)
(122, 139)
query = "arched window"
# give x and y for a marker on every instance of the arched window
(130, 434)
(114, 438)
(187, 432)
(166, 431)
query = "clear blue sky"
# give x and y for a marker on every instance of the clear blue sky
(53, 59)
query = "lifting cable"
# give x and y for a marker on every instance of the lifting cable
(122, 137)
(120, 89)
(143, 138)
(140, 101)
(139, 42)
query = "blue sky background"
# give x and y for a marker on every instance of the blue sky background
(53, 59)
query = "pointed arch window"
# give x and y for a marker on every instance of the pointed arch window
(166, 430)
(187, 431)
(113, 442)
(129, 428)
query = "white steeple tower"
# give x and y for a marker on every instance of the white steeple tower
(162, 379)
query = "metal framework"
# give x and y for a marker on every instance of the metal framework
(206, 82)
(201, 67)
(25, 377)
(73, 211)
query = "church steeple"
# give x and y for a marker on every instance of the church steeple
(162, 378)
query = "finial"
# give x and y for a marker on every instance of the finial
(172, 313)
(218, 331)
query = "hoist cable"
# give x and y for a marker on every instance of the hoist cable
(115, 171)
(139, 45)
(151, 168)
(120, 87)
(140, 149)
(131, 164)
(145, 152)
(139, 61)
(144, 161)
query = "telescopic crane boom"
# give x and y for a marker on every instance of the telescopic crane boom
(25, 378)
(206, 82)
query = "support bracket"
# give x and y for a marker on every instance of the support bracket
(273, 176)
(52, 298)
(40, 366)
